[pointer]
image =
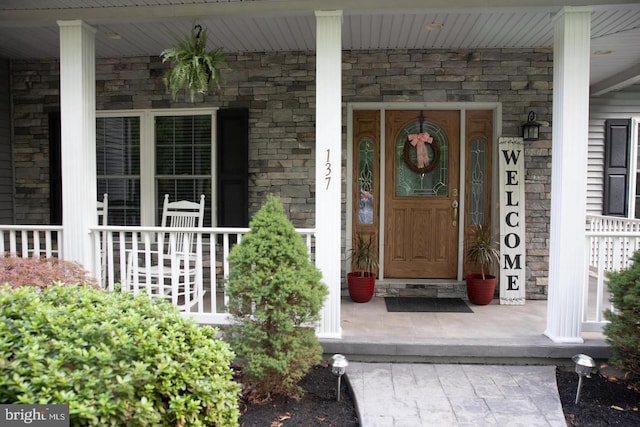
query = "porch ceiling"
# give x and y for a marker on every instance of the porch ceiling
(28, 28)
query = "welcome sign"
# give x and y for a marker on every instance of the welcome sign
(512, 221)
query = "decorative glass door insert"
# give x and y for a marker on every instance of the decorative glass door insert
(477, 189)
(365, 181)
(422, 157)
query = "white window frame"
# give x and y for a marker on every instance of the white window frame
(148, 197)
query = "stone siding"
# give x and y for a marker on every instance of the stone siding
(36, 92)
(279, 91)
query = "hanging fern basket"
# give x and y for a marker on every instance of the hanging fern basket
(193, 68)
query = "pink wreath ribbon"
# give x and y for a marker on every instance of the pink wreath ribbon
(418, 140)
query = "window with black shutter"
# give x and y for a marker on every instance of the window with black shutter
(616, 167)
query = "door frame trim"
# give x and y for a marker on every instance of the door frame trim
(496, 107)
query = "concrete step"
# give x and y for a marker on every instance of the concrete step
(493, 333)
(491, 351)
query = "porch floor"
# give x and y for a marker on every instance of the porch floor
(493, 333)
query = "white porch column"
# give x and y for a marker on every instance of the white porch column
(329, 164)
(568, 171)
(78, 117)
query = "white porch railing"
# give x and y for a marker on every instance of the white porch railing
(31, 241)
(611, 241)
(130, 257)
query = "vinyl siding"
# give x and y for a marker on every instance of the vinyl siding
(6, 168)
(622, 104)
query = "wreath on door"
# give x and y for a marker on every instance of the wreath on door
(427, 152)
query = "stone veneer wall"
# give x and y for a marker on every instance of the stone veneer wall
(279, 90)
(36, 92)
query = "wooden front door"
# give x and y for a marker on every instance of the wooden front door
(422, 158)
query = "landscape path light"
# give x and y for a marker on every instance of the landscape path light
(584, 365)
(339, 365)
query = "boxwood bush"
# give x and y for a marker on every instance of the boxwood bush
(115, 359)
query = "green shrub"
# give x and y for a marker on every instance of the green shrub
(41, 272)
(623, 331)
(275, 295)
(115, 359)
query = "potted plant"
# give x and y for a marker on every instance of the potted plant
(362, 280)
(482, 250)
(192, 68)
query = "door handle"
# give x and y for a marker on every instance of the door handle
(454, 205)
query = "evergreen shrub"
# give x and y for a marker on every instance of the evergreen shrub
(275, 296)
(623, 329)
(116, 359)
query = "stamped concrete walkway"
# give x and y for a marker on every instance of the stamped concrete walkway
(492, 367)
(443, 395)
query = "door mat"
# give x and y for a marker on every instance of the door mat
(428, 305)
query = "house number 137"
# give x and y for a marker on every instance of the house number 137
(327, 166)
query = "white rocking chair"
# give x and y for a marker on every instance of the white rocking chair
(173, 271)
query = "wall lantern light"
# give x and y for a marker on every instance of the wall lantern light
(339, 365)
(584, 365)
(531, 129)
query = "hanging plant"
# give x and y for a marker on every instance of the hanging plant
(193, 68)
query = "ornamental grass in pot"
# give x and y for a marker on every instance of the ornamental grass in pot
(482, 250)
(361, 281)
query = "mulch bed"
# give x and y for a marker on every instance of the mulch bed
(605, 400)
(319, 406)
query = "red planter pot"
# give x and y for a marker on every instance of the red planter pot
(480, 292)
(361, 286)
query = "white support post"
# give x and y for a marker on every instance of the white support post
(329, 164)
(569, 167)
(78, 124)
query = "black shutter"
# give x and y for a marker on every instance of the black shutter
(233, 167)
(616, 167)
(55, 169)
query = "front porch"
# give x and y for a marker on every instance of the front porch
(494, 333)
(367, 330)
